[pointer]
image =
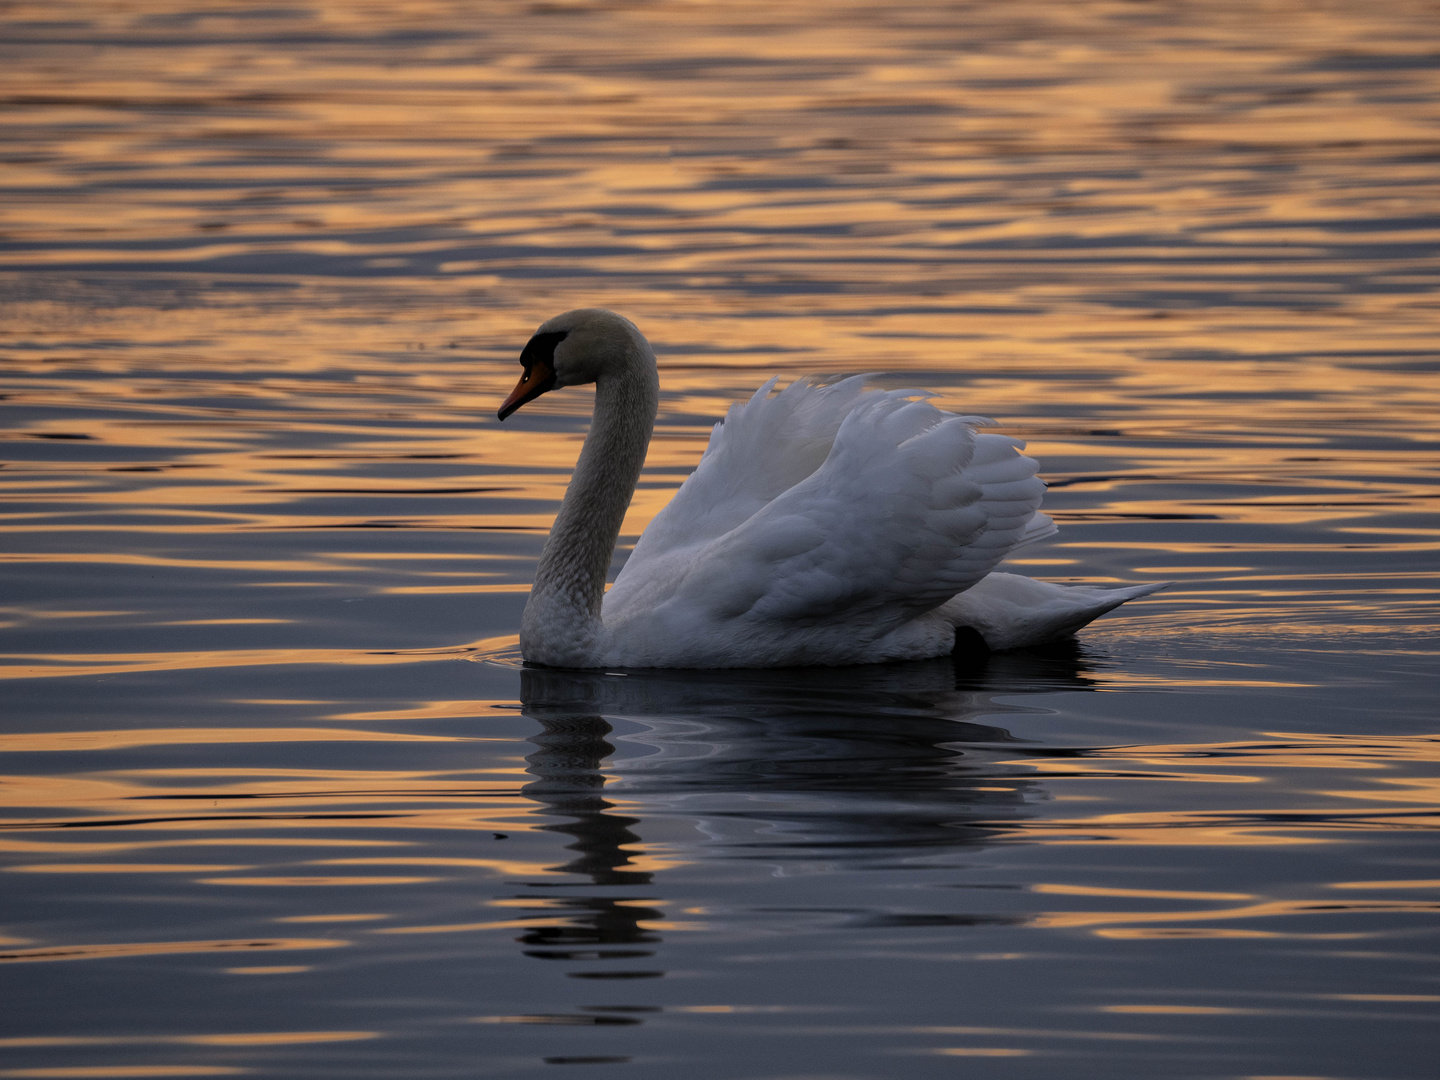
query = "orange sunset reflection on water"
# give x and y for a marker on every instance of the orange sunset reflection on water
(264, 545)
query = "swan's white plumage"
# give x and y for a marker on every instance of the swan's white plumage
(823, 525)
(820, 521)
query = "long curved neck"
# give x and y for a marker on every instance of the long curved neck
(561, 625)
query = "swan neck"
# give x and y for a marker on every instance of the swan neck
(562, 623)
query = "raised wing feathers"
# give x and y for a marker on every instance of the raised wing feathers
(891, 507)
(911, 507)
(763, 447)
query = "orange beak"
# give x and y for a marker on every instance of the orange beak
(538, 378)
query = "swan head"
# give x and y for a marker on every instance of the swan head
(578, 347)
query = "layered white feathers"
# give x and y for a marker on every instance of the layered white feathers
(822, 523)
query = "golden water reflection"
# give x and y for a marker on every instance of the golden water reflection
(701, 738)
(264, 273)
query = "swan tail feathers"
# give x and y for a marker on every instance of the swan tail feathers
(1013, 612)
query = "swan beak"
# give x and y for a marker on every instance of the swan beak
(538, 378)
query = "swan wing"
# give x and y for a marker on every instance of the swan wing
(909, 507)
(762, 447)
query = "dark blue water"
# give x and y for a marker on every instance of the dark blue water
(277, 798)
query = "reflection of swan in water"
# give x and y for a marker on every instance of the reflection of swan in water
(860, 766)
(572, 747)
(824, 525)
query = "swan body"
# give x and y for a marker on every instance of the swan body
(825, 525)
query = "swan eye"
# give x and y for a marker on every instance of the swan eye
(542, 347)
(538, 356)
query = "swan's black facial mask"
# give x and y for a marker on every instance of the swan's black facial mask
(538, 357)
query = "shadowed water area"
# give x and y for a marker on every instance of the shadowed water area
(276, 796)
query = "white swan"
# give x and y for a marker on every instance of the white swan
(824, 525)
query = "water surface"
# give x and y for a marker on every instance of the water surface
(277, 799)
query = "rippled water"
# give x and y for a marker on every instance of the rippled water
(276, 797)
